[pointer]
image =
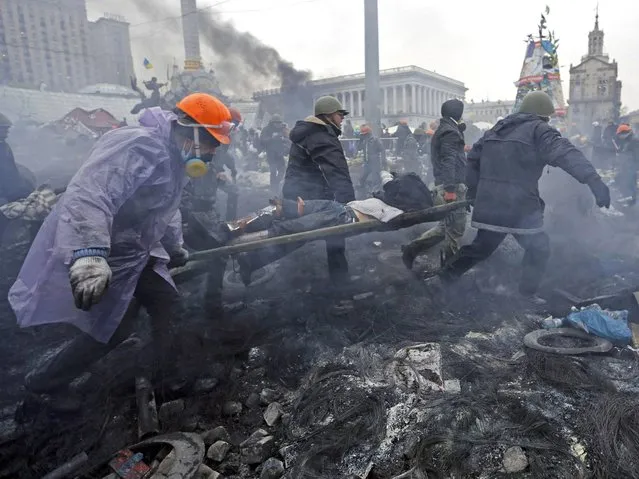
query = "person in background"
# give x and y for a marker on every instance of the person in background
(448, 159)
(628, 155)
(105, 248)
(374, 157)
(274, 142)
(13, 186)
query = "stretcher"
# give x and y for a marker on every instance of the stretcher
(199, 261)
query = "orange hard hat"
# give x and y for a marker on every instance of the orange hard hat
(208, 112)
(430, 132)
(365, 130)
(624, 128)
(236, 116)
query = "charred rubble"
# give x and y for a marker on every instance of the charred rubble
(387, 380)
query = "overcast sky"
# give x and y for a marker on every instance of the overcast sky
(479, 43)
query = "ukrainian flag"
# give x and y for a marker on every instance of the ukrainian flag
(147, 64)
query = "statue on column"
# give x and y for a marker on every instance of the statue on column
(155, 99)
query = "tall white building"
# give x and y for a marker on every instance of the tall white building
(45, 43)
(111, 48)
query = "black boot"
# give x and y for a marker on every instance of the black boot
(408, 256)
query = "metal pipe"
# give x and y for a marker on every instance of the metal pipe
(371, 59)
(148, 424)
(68, 467)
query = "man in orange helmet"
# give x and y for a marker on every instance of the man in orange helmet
(111, 237)
(628, 154)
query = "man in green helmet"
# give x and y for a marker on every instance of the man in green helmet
(317, 170)
(503, 172)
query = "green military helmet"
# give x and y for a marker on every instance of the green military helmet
(419, 132)
(5, 122)
(327, 105)
(537, 103)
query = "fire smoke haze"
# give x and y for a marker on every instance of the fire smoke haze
(242, 63)
(482, 45)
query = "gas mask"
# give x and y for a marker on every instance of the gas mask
(194, 165)
(462, 126)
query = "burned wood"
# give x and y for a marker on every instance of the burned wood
(69, 467)
(148, 424)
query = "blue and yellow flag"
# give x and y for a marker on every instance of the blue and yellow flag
(147, 64)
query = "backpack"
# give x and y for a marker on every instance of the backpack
(406, 192)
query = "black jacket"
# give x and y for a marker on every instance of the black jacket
(629, 149)
(13, 187)
(373, 150)
(401, 134)
(504, 168)
(447, 155)
(273, 140)
(317, 168)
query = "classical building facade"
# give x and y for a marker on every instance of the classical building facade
(488, 111)
(595, 91)
(407, 93)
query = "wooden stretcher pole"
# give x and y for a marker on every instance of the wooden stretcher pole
(199, 259)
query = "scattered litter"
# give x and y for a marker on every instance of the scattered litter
(363, 296)
(418, 366)
(610, 325)
(452, 386)
(578, 450)
(377, 244)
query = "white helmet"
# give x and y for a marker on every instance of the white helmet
(595, 123)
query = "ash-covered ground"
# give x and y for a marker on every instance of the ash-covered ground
(342, 393)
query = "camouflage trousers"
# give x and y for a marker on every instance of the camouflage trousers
(451, 229)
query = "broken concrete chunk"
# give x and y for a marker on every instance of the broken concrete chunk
(257, 448)
(205, 472)
(205, 385)
(288, 454)
(253, 401)
(256, 357)
(418, 367)
(231, 465)
(267, 396)
(515, 460)
(272, 469)
(216, 434)
(232, 408)
(171, 411)
(218, 451)
(273, 413)
(452, 386)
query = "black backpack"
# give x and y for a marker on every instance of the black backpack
(406, 192)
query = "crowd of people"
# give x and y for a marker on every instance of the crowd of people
(146, 196)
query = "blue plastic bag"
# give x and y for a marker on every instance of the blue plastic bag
(610, 325)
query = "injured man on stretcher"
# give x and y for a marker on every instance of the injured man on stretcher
(285, 217)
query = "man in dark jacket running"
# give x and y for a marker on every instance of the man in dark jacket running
(504, 168)
(317, 170)
(449, 168)
(274, 142)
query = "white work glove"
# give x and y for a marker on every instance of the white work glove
(89, 278)
(178, 258)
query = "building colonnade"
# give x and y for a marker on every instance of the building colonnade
(405, 99)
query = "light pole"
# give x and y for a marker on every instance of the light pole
(371, 54)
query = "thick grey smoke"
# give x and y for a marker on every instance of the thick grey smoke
(242, 63)
(248, 64)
